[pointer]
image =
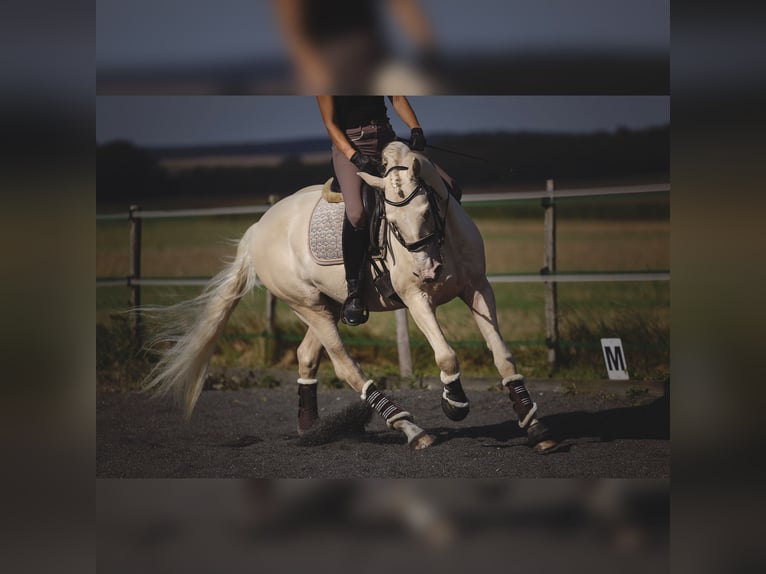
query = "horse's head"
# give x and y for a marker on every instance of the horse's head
(416, 206)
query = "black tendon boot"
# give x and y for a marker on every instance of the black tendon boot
(454, 402)
(355, 249)
(538, 434)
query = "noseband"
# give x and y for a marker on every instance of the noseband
(433, 209)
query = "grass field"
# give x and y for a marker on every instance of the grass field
(638, 312)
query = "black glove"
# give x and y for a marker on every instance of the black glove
(417, 140)
(365, 164)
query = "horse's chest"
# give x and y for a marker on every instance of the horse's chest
(443, 291)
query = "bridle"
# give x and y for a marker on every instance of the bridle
(440, 226)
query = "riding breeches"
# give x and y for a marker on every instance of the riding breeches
(370, 141)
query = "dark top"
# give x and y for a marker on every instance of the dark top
(325, 20)
(355, 111)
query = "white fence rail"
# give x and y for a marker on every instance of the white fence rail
(587, 277)
(548, 274)
(470, 198)
(203, 212)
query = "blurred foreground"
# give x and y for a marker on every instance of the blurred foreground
(575, 526)
(382, 47)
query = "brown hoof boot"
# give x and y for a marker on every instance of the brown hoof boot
(539, 437)
(308, 413)
(306, 421)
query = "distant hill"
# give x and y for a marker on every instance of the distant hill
(536, 156)
(291, 147)
(251, 172)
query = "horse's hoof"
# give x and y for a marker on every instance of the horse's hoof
(537, 433)
(454, 413)
(423, 440)
(306, 425)
(546, 446)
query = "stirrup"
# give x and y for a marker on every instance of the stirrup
(354, 312)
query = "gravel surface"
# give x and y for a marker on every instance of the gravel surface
(252, 434)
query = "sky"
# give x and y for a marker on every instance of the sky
(166, 32)
(199, 120)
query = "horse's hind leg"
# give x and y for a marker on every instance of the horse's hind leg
(481, 301)
(309, 354)
(323, 327)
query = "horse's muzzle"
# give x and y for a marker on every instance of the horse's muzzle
(433, 274)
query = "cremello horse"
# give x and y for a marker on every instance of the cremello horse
(435, 254)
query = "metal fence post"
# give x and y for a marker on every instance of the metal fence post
(271, 328)
(551, 289)
(403, 344)
(271, 314)
(135, 267)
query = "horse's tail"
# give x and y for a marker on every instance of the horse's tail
(191, 330)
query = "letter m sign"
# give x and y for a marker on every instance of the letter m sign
(615, 359)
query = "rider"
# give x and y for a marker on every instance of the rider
(341, 46)
(359, 129)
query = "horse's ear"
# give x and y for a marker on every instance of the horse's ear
(372, 181)
(415, 167)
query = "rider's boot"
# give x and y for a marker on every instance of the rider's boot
(355, 250)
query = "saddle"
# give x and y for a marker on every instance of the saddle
(326, 228)
(326, 224)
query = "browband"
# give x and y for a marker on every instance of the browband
(395, 168)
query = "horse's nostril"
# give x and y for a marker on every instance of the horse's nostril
(433, 276)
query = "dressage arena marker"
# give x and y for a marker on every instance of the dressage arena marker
(614, 359)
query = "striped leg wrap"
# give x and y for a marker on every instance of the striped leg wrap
(522, 403)
(383, 405)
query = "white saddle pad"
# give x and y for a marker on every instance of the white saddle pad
(325, 232)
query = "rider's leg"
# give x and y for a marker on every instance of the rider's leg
(355, 249)
(355, 239)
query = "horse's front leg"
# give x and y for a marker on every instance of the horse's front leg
(454, 401)
(480, 299)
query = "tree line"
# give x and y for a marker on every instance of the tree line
(127, 173)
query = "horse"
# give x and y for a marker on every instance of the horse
(434, 253)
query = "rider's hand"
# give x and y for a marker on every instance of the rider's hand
(417, 139)
(364, 163)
